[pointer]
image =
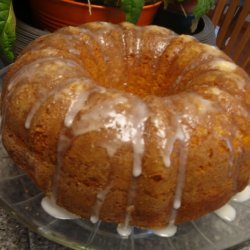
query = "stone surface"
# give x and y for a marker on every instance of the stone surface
(14, 236)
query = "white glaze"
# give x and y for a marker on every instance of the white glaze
(100, 198)
(43, 97)
(30, 71)
(111, 147)
(94, 219)
(230, 67)
(223, 65)
(74, 51)
(227, 103)
(49, 205)
(167, 231)
(106, 44)
(227, 212)
(77, 102)
(79, 92)
(167, 138)
(129, 126)
(196, 110)
(242, 196)
(124, 230)
(75, 106)
(103, 115)
(138, 44)
(33, 110)
(203, 106)
(231, 155)
(56, 93)
(215, 90)
(181, 177)
(137, 138)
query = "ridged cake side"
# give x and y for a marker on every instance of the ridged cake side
(127, 124)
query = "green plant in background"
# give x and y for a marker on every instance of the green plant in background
(193, 8)
(131, 8)
(7, 29)
(201, 7)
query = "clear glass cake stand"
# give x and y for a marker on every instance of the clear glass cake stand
(20, 197)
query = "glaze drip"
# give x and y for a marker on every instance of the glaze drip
(227, 212)
(182, 120)
(49, 205)
(181, 176)
(231, 156)
(125, 228)
(242, 196)
(79, 94)
(124, 231)
(168, 231)
(29, 71)
(78, 102)
(100, 198)
(129, 125)
(43, 67)
(228, 104)
(57, 91)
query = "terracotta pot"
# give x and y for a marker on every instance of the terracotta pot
(54, 14)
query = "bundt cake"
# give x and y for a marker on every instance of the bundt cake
(129, 125)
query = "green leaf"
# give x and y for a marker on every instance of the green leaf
(132, 9)
(202, 7)
(7, 28)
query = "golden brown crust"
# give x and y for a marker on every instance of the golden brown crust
(181, 94)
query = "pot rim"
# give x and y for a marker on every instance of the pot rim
(107, 7)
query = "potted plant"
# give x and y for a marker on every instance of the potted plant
(50, 14)
(188, 17)
(7, 29)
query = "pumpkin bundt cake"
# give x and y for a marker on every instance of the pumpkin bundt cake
(130, 125)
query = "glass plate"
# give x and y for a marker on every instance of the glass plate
(20, 197)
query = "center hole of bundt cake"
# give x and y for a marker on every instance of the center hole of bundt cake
(140, 87)
(135, 83)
